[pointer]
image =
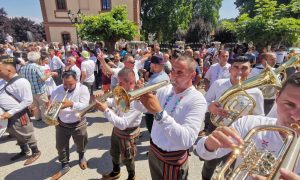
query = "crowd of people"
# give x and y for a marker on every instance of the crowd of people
(35, 75)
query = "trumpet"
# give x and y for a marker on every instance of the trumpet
(87, 109)
(51, 113)
(262, 162)
(123, 98)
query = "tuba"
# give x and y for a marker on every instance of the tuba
(87, 109)
(261, 162)
(51, 113)
(231, 99)
(122, 98)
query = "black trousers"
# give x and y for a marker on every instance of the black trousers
(149, 121)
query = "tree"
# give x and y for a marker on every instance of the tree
(208, 10)
(226, 31)
(268, 27)
(24, 29)
(5, 25)
(21, 28)
(198, 31)
(110, 27)
(248, 7)
(164, 18)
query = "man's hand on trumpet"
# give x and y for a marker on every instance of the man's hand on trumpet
(101, 106)
(66, 104)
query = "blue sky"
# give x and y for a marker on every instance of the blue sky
(32, 9)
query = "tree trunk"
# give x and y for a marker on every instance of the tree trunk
(110, 45)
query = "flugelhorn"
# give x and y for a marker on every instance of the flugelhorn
(261, 162)
(229, 98)
(51, 113)
(101, 99)
(123, 98)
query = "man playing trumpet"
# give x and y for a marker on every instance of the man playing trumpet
(78, 98)
(126, 128)
(223, 139)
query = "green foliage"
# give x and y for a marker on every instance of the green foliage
(226, 31)
(208, 10)
(109, 26)
(269, 25)
(166, 17)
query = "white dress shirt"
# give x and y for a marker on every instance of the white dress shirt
(88, 67)
(122, 120)
(55, 63)
(20, 89)
(257, 70)
(269, 140)
(77, 70)
(80, 97)
(178, 130)
(216, 71)
(220, 86)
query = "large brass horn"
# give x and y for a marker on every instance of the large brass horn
(123, 98)
(232, 96)
(51, 114)
(261, 162)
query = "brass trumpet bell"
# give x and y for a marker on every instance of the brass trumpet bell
(123, 98)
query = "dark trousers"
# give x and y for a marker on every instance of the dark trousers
(115, 152)
(63, 135)
(210, 166)
(23, 133)
(149, 121)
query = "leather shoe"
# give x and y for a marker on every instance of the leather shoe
(32, 158)
(111, 176)
(83, 163)
(62, 172)
(19, 155)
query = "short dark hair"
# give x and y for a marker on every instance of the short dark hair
(241, 59)
(124, 72)
(69, 73)
(293, 80)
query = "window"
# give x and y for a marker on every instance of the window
(106, 4)
(66, 37)
(61, 4)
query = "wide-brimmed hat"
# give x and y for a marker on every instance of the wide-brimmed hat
(85, 54)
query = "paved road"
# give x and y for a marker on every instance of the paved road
(97, 153)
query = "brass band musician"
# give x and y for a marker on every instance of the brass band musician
(219, 142)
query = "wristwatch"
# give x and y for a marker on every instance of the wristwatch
(158, 116)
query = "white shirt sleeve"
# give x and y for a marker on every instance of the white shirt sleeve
(211, 95)
(84, 99)
(122, 122)
(184, 134)
(22, 91)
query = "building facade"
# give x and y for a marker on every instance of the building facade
(58, 26)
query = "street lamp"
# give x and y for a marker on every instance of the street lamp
(75, 19)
